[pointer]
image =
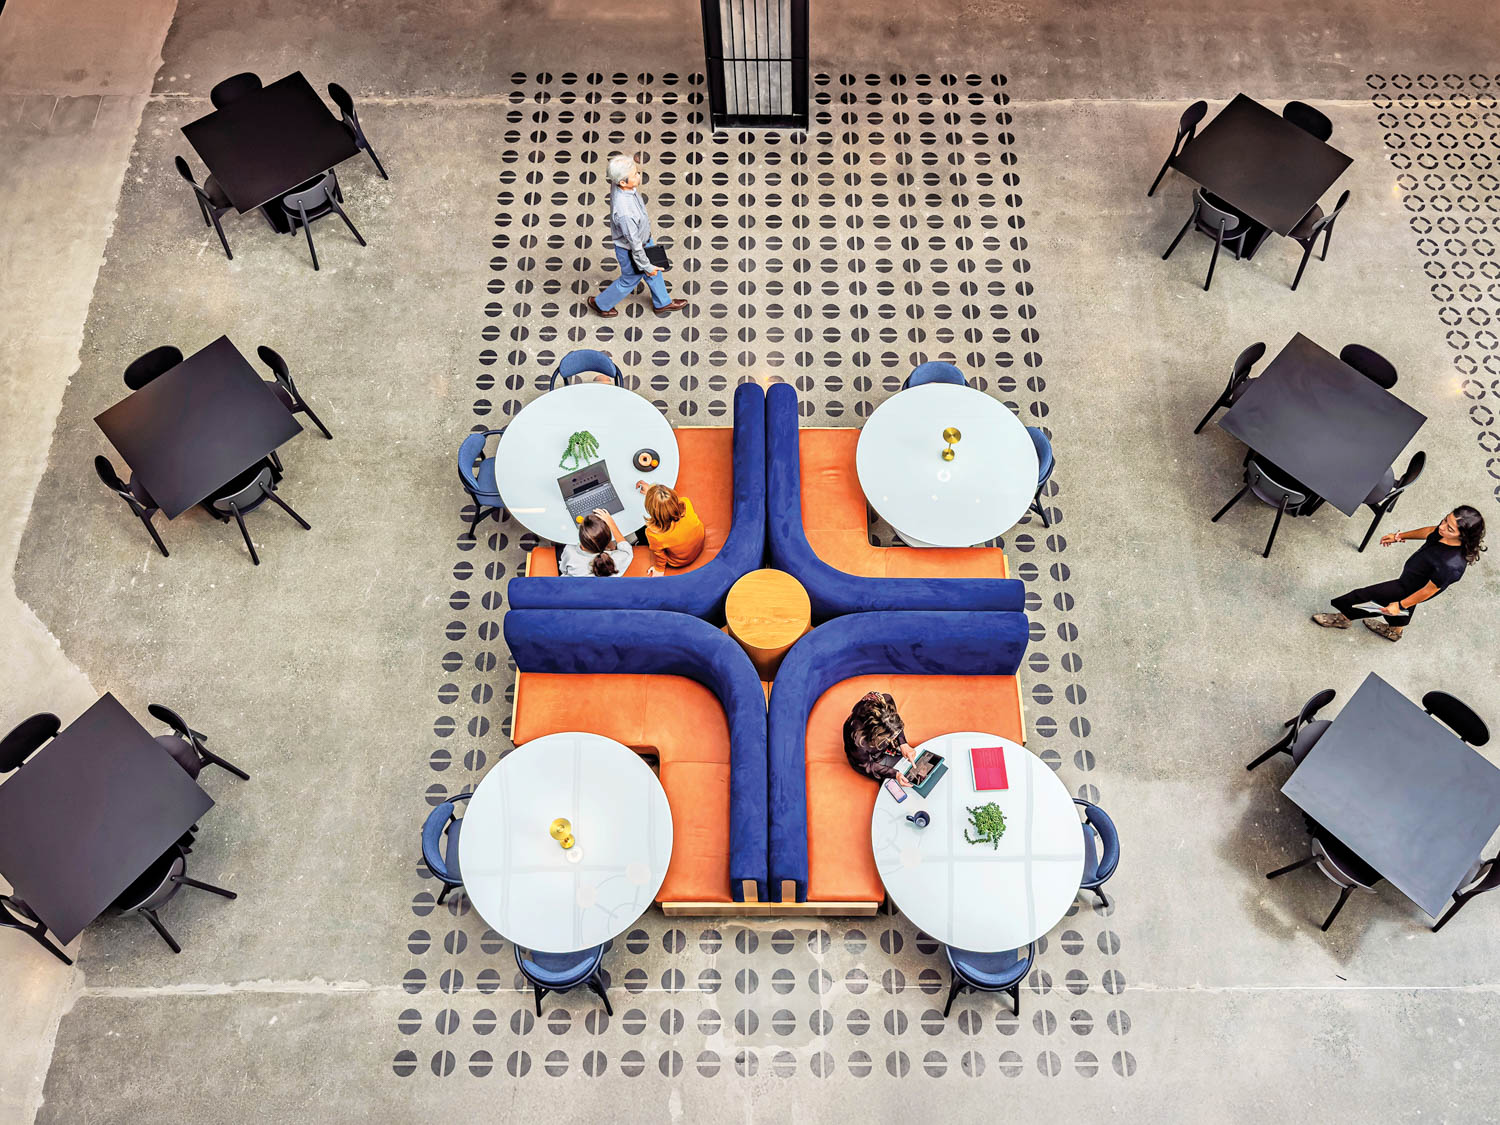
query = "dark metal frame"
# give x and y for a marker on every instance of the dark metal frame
(725, 69)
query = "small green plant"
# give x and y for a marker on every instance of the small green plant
(583, 447)
(989, 825)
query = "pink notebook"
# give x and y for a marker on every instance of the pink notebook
(989, 767)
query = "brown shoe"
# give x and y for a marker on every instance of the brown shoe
(593, 304)
(1331, 620)
(671, 307)
(1381, 629)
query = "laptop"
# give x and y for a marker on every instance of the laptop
(587, 489)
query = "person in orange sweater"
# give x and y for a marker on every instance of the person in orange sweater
(674, 533)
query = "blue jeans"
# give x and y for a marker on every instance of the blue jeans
(629, 278)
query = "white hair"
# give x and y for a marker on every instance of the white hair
(620, 168)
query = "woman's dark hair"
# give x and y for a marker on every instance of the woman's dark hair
(878, 722)
(1470, 531)
(595, 538)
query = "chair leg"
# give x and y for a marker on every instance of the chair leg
(1180, 233)
(1238, 496)
(1165, 164)
(1306, 253)
(540, 992)
(209, 887)
(316, 420)
(214, 759)
(150, 916)
(162, 547)
(473, 523)
(1327, 239)
(596, 986)
(1281, 747)
(41, 939)
(276, 463)
(1374, 523)
(287, 508)
(1458, 904)
(239, 519)
(1280, 511)
(953, 990)
(358, 237)
(203, 210)
(307, 230)
(1218, 402)
(1214, 259)
(1334, 913)
(379, 167)
(443, 895)
(1104, 902)
(228, 253)
(1015, 997)
(1280, 871)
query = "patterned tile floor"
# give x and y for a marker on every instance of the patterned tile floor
(892, 233)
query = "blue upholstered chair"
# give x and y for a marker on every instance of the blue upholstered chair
(988, 972)
(1044, 463)
(585, 361)
(653, 642)
(1101, 849)
(477, 474)
(864, 644)
(558, 972)
(935, 372)
(699, 592)
(440, 843)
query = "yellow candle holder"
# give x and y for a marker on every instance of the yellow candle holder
(562, 832)
(952, 437)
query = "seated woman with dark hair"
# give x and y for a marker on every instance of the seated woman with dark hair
(872, 733)
(601, 551)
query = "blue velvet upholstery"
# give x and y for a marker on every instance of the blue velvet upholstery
(557, 971)
(585, 361)
(652, 642)
(935, 372)
(834, 592)
(480, 483)
(990, 972)
(1101, 846)
(440, 841)
(1043, 454)
(864, 644)
(699, 592)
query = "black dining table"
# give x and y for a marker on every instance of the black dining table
(1261, 164)
(1321, 421)
(1402, 792)
(261, 146)
(198, 426)
(88, 813)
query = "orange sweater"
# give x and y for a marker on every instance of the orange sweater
(681, 543)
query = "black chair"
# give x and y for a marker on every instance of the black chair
(988, 972)
(156, 887)
(16, 915)
(315, 200)
(212, 202)
(1308, 119)
(345, 103)
(186, 745)
(26, 738)
(1340, 865)
(558, 972)
(1371, 364)
(1306, 233)
(156, 362)
(286, 390)
(233, 88)
(1287, 499)
(135, 495)
(1487, 872)
(1187, 129)
(1218, 220)
(1458, 716)
(245, 493)
(1303, 731)
(1384, 495)
(1239, 382)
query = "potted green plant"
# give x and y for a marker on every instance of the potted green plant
(988, 823)
(583, 447)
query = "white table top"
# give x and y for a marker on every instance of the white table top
(523, 883)
(528, 459)
(968, 895)
(980, 494)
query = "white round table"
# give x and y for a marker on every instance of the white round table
(971, 896)
(528, 458)
(524, 884)
(980, 494)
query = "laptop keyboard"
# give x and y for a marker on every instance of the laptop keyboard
(600, 496)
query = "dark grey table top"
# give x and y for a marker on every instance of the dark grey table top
(266, 143)
(1402, 792)
(88, 813)
(198, 426)
(1323, 422)
(1256, 160)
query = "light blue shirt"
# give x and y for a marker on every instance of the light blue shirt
(629, 225)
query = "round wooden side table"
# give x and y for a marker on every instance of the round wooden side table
(767, 611)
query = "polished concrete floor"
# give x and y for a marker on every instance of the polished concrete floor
(353, 674)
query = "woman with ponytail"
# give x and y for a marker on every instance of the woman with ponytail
(601, 551)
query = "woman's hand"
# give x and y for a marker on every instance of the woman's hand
(907, 752)
(641, 486)
(903, 780)
(1390, 539)
(652, 572)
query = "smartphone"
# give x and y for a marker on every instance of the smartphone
(895, 789)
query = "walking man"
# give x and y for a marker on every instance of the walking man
(1445, 553)
(631, 230)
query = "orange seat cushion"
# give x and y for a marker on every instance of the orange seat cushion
(698, 793)
(831, 496)
(840, 862)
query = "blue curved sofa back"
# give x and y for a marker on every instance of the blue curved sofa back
(699, 592)
(653, 642)
(835, 592)
(864, 644)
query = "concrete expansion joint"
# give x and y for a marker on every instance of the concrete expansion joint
(314, 987)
